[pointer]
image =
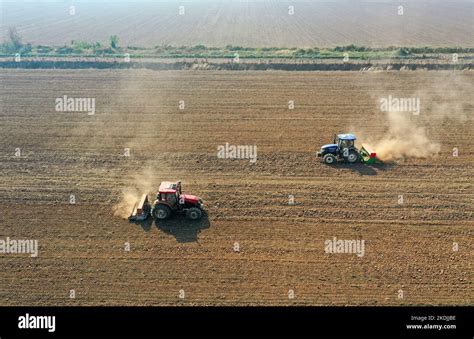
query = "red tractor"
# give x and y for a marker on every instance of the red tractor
(169, 200)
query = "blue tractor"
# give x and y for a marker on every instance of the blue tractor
(343, 149)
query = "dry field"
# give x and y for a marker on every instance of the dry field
(256, 23)
(408, 246)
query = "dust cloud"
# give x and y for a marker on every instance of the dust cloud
(404, 139)
(410, 135)
(132, 191)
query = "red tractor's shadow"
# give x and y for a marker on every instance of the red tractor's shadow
(145, 224)
(183, 229)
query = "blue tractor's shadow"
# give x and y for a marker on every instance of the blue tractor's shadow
(364, 169)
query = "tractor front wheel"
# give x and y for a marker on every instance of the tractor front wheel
(329, 159)
(194, 213)
(352, 157)
(161, 212)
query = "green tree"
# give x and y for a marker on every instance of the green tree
(403, 52)
(114, 40)
(13, 42)
(15, 39)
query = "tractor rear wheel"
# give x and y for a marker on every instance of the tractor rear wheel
(329, 159)
(161, 212)
(352, 157)
(194, 213)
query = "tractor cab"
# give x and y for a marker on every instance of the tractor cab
(169, 192)
(344, 141)
(167, 187)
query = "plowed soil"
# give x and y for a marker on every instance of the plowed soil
(263, 23)
(408, 246)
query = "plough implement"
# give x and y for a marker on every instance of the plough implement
(367, 157)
